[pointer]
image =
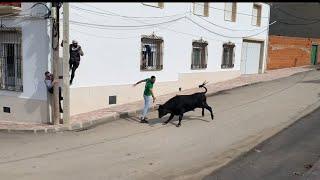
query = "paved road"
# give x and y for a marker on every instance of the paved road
(286, 156)
(126, 149)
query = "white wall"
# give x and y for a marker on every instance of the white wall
(35, 54)
(110, 61)
(31, 104)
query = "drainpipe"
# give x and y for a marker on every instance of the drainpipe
(49, 99)
(267, 44)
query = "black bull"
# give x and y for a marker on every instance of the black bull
(181, 104)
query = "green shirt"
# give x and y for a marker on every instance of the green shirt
(148, 87)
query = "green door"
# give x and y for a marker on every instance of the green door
(314, 54)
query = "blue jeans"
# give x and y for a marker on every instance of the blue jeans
(147, 103)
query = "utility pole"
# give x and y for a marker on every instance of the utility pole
(66, 83)
(55, 50)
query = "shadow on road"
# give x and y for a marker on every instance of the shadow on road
(175, 119)
(155, 121)
(312, 81)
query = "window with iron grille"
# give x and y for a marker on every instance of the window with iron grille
(256, 15)
(10, 59)
(151, 53)
(230, 11)
(228, 56)
(199, 55)
(201, 9)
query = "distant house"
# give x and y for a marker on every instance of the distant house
(182, 44)
(294, 40)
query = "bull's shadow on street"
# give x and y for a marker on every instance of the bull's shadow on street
(155, 121)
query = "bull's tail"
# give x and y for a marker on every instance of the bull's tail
(203, 86)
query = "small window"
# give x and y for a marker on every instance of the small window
(201, 9)
(151, 53)
(10, 59)
(228, 56)
(256, 15)
(230, 12)
(154, 4)
(199, 54)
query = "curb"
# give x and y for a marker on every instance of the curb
(81, 126)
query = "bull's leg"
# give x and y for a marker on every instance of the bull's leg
(202, 111)
(170, 118)
(180, 118)
(209, 109)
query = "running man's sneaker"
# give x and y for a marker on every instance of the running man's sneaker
(143, 120)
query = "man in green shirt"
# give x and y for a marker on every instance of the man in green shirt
(147, 94)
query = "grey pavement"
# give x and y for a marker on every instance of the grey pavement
(286, 156)
(126, 149)
(313, 173)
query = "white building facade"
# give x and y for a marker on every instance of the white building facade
(24, 57)
(182, 44)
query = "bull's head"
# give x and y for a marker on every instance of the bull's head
(162, 111)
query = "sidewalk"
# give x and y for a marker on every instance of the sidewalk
(94, 118)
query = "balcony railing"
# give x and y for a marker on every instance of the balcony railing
(7, 8)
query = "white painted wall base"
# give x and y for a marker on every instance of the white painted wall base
(88, 99)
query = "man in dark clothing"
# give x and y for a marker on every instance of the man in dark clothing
(49, 81)
(148, 52)
(75, 52)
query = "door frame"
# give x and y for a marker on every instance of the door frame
(316, 55)
(262, 42)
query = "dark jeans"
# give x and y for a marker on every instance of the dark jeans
(73, 66)
(60, 98)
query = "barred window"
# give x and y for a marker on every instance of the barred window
(199, 55)
(228, 56)
(151, 53)
(10, 59)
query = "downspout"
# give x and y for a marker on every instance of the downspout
(267, 44)
(50, 63)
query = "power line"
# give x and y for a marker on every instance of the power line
(287, 13)
(106, 28)
(231, 11)
(231, 28)
(162, 23)
(132, 37)
(198, 4)
(297, 24)
(109, 13)
(222, 34)
(23, 15)
(119, 26)
(108, 37)
(293, 24)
